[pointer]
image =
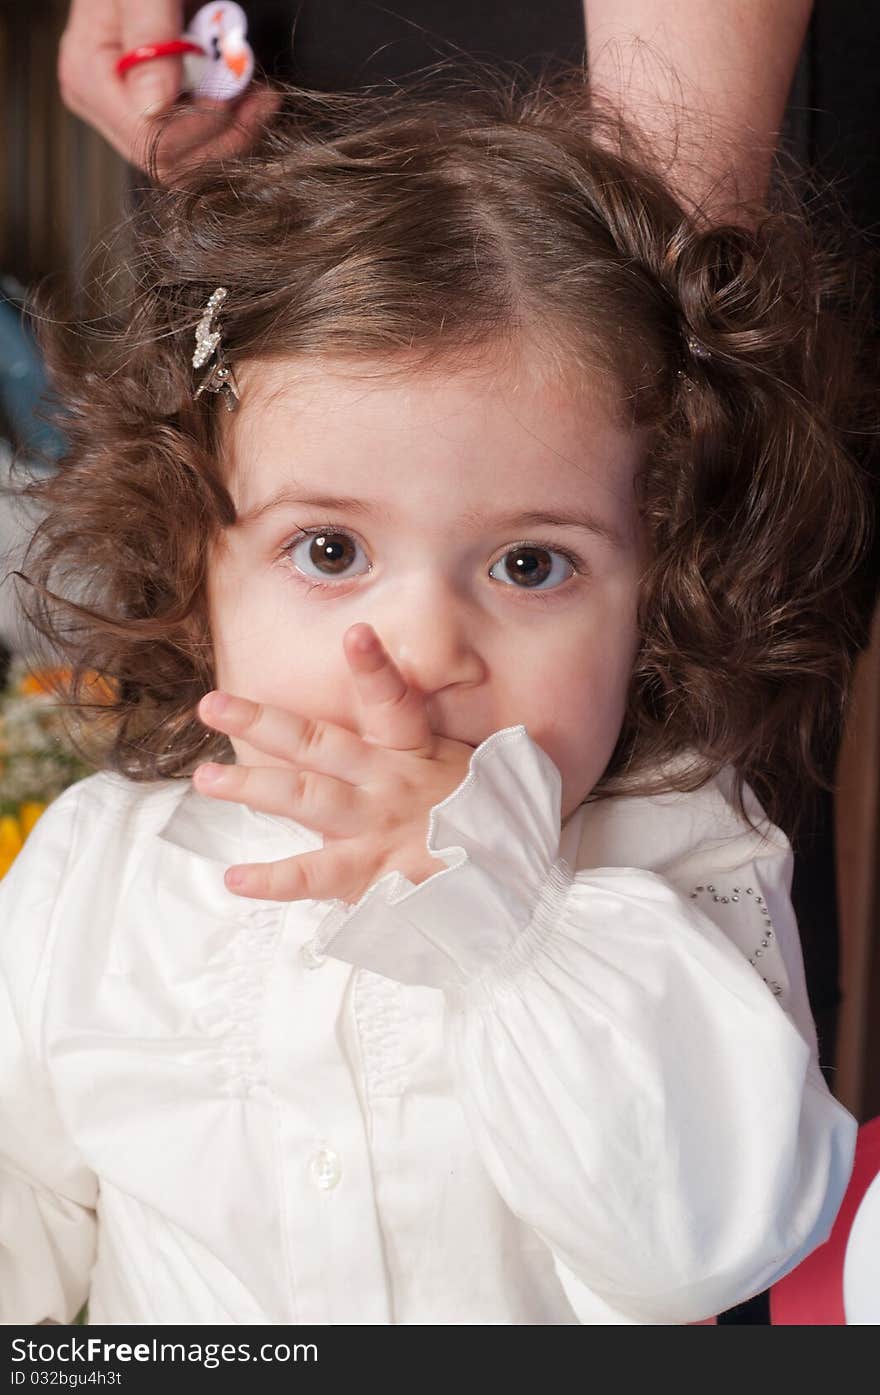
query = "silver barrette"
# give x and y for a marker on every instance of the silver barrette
(697, 349)
(220, 377)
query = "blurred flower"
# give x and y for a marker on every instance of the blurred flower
(37, 760)
(11, 839)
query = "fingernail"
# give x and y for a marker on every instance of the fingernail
(215, 704)
(209, 774)
(365, 640)
(235, 878)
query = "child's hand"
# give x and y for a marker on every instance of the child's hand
(369, 794)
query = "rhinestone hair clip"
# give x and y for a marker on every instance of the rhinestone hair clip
(696, 349)
(219, 377)
(696, 352)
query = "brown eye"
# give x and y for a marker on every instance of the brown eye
(529, 566)
(331, 553)
(325, 553)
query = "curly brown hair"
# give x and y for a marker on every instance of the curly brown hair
(412, 228)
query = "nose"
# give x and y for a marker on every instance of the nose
(433, 636)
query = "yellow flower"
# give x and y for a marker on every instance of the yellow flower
(10, 841)
(14, 831)
(28, 813)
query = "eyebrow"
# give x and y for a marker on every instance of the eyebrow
(535, 518)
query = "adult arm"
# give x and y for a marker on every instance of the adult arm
(707, 83)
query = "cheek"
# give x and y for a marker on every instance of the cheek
(586, 714)
(584, 737)
(253, 639)
(262, 653)
(579, 725)
(298, 678)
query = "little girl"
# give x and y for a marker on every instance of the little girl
(422, 950)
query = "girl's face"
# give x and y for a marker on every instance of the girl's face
(483, 523)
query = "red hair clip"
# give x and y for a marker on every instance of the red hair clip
(170, 48)
(218, 61)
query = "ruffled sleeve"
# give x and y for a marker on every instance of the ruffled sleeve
(47, 1194)
(637, 1093)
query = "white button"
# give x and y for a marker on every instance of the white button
(310, 956)
(325, 1169)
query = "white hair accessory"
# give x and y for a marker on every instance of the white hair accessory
(226, 64)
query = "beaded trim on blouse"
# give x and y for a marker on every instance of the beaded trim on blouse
(759, 904)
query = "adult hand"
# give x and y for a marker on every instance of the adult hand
(370, 795)
(130, 110)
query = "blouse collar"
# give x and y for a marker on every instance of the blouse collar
(654, 832)
(229, 832)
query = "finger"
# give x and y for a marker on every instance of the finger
(328, 873)
(97, 18)
(185, 137)
(316, 745)
(87, 56)
(97, 33)
(394, 712)
(199, 132)
(152, 86)
(112, 119)
(319, 801)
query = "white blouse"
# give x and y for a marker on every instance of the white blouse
(570, 1078)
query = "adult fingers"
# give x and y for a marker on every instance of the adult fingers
(195, 133)
(97, 33)
(321, 802)
(124, 109)
(152, 86)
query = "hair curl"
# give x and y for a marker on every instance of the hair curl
(415, 228)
